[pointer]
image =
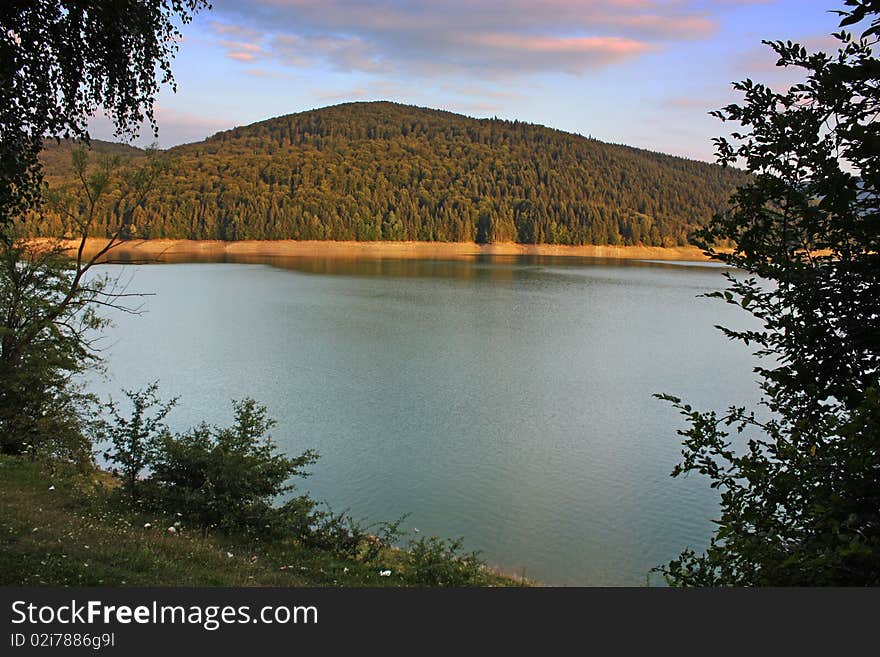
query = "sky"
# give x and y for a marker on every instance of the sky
(639, 72)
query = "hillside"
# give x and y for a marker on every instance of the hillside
(384, 171)
(56, 156)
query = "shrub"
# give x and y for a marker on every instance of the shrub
(337, 533)
(228, 477)
(345, 537)
(439, 562)
(135, 438)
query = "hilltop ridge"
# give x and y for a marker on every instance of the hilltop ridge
(383, 171)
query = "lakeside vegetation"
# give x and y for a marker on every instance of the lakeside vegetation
(64, 528)
(385, 171)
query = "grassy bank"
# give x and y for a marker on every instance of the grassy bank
(71, 531)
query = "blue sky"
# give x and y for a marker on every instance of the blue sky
(639, 72)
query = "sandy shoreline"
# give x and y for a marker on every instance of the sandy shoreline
(165, 250)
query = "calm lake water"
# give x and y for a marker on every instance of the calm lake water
(505, 400)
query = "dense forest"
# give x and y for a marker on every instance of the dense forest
(385, 171)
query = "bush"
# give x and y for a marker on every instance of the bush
(228, 477)
(337, 533)
(134, 439)
(346, 538)
(439, 562)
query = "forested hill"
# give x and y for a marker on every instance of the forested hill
(384, 171)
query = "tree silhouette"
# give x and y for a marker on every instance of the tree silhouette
(800, 497)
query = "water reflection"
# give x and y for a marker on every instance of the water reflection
(469, 267)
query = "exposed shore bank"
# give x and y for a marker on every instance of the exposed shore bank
(167, 250)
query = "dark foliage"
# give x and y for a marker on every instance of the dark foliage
(62, 59)
(50, 298)
(341, 534)
(134, 439)
(800, 498)
(46, 334)
(228, 477)
(434, 561)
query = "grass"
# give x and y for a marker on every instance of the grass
(78, 534)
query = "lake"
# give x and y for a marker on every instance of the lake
(507, 400)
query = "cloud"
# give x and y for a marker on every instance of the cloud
(241, 56)
(346, 53)
(242, 51)
(487, 38)
(541, 53)
(236, 32)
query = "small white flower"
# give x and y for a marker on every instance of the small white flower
(345, 570)
(172, 530)
(147, 525)
(384, 573)
(229, 555)
(51, 487)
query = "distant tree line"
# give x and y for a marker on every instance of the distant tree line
(383, 171)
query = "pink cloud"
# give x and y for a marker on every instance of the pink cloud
(672, 27)
(241, 45)
(341, 52)
(571, 54)
(242, 51)
(236, 31)
(241, 56)
(434, 37)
